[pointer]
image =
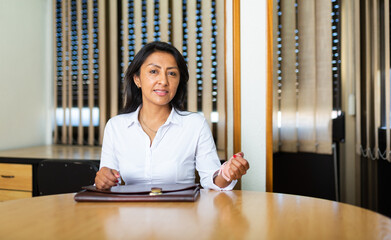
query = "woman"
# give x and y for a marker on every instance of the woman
(153, 141)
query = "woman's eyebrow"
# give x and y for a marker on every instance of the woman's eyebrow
(155, 65)
(173, 67)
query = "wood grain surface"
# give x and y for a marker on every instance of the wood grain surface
(216, 215)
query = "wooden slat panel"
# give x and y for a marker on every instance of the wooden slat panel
(307, 75)
(91, 134)
(191, 52)
(237, 141)
(55, 74)
(79, 71)
(387, 72)
(206, 60)
(150, 19)
(102, 68)
(177, 28)
(237, 134)
(125, 40)
(221, 81)
(269, 99)
(16, 176)
(163, 9)
(64, 72)
(55, 69)
(288, 131)
(70, 77)
(113, 57)
(6, 195)
(137, 25)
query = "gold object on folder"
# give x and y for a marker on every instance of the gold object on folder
(155, 191)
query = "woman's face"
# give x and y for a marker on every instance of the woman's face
(159, 79)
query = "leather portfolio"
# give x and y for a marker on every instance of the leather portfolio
(140, 193)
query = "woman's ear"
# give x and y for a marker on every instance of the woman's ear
(136, 80)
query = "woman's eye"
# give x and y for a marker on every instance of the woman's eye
(153, 71)
(172, 74)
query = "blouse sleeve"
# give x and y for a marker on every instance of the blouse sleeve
(207, 160)
(108, 158)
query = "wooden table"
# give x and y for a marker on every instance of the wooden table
(53, 152)
(216, 215)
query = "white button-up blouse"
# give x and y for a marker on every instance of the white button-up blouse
(181, 145)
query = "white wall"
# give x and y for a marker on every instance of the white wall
(229, 77)
(25, 73)
(253, 15)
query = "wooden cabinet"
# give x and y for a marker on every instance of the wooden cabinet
(15, 181)
(19, 169)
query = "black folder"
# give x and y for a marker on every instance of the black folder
(140, 193)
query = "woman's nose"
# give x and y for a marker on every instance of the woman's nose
(163, 80)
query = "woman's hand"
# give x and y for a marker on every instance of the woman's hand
(106, 178)
(236, 167)
(233, 169)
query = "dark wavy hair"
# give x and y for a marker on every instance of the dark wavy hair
(132, 94)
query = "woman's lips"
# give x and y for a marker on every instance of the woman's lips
(161, 92)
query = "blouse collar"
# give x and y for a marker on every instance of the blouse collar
(174, 117)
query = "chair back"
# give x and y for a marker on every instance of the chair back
(65, 176)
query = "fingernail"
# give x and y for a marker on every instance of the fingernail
(235, 155)
(116, 181)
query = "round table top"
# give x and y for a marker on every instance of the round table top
(215, 215)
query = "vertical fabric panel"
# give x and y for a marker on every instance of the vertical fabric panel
(125, 40)
(163, 9)
(64, 72)
(150, 19)
(288, 132)
(276, 130)
(375, 75)
(371, 142)
(137, 25)
(387, 73)
(113, 58)
(357, 74)
(220, 41)
(102, 68)
(191, 52)
(368, 88)
(323, 76)
(206, 60)
(80, 71)
(90, 71)
(177, 28)
(55, 71)
(307, 76)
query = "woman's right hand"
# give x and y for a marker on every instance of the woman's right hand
(106, 178)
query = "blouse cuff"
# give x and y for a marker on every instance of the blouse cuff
(227, 188)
